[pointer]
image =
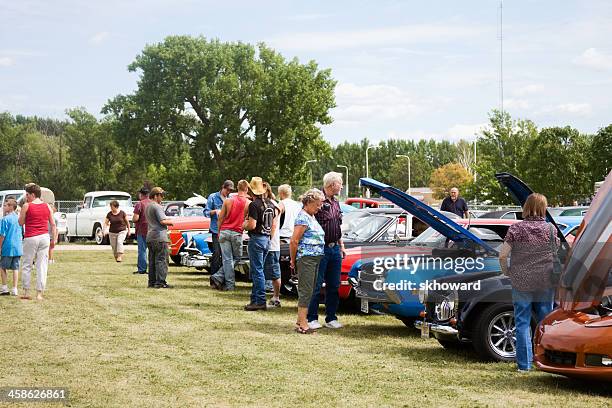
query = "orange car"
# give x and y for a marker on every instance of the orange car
(181, 225)
(575, 340)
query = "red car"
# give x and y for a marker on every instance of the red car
(181, 225)
(360, 202)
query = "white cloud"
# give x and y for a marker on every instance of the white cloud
(528, 90)
(383, 37)
(6, 61)
(593, 58)
(514, 103)
(577, 109)
(99, 38)
(467, 132)
(380, 102)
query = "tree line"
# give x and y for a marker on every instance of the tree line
(205, 111)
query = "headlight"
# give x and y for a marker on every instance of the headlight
(423, 295)
(445, 309)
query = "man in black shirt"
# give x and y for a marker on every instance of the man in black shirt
(330, 219)
(455, 204)
(259, 224)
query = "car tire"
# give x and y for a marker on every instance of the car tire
(99, 236)
(493, 337)
(176, 259)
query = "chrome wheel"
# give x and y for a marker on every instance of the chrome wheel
(99, 235)
(502, 334)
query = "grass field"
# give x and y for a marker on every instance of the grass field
(112, 342)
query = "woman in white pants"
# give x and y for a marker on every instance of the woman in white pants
(36, 216)
(118, 226)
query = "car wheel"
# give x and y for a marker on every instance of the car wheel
(176, 259)
(99, 235)
(495, 338)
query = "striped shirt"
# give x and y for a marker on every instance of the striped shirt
(330, 219)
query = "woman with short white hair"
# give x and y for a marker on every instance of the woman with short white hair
(332, 178)
(306, 250)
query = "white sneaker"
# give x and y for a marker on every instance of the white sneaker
(334, 324)
(314, 325)
(14, 292)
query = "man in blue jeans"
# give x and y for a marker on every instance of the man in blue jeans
(140, 222)
(259, 224)
(330, 219)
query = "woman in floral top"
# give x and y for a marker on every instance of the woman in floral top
(306, 249)
(531, 263)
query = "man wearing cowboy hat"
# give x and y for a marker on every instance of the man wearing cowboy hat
(259, 224)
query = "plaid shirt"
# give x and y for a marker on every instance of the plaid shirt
(330, 219)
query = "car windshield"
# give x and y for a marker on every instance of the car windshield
(350, 220)
(193, 212)
(432, 238)
(366, 228)
(104, 201)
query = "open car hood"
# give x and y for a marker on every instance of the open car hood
(428, 215)
(519, 191)
(587, 271)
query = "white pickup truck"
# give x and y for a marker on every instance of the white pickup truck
(88, 221)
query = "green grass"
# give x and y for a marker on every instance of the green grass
(112, 342)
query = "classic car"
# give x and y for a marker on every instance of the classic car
(569, 226)
(87, 222)
(360, 202)
(482, 318)
(472, 240)
(374, 227)
(507, 214)
(182, 230)
(575, 340)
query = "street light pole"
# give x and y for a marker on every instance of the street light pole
(368, 167)
(346, 180)
(308, 162)
(408, 157)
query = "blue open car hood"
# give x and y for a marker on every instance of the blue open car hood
(519, 191)
(428, 215)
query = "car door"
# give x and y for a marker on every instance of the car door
(82, 218)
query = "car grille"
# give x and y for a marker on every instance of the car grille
(366, 289)
(560, 357)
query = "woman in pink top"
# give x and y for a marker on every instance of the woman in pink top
(36, 216)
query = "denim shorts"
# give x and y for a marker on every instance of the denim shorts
(272, 269)
(10, 263)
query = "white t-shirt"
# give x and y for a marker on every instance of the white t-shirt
(275, 241)
(292, 209)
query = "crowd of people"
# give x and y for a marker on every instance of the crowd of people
(312, 229)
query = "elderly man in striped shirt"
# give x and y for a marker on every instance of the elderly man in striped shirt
(330, 218)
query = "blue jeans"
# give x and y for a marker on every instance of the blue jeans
(258, 250)
(142, 252)
(540, 303)
(329, 272)
(231, 251)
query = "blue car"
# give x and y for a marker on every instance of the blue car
(449, 247)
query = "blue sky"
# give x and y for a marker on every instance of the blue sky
(405, 69)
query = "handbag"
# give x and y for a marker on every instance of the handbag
(555, 276)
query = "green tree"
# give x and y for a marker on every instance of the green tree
(503, 147)
(600, 154)
(448, 176)
(557, 165)
(239, 110)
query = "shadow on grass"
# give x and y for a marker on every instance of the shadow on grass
(555, 383)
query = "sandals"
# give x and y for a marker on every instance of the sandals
(24, 297)
(300, 330)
